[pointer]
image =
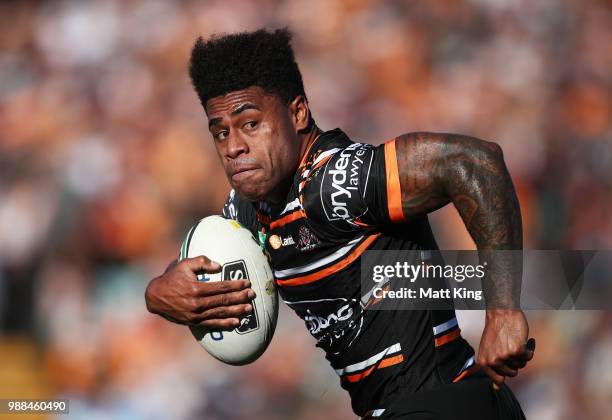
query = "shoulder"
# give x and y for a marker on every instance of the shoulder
(334, 191)
(240, 210)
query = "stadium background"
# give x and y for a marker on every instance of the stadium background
(105, 161)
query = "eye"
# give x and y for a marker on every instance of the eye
(251, 125)
(221, 135)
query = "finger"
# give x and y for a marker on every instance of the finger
(516, 363)
(174, 320)
(227, 311)
(214, 288)
(505, 370)
(201, 263)
(223, 299)
(226, 324)
(527, 352)
(528, 355)
(494, 376)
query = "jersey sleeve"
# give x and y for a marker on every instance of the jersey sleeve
(358, 187)
(240, 210)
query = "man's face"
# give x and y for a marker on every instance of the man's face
(256, 140)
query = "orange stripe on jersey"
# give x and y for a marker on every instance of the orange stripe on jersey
(312, 169)
(344, 262)
(469, 371)
(440, 341)
(307, 151)
(321, 163)
(359, 222)
(389, 361)
(394, 192)
(291, 217)
(263, 218)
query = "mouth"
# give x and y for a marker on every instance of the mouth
(240, 172)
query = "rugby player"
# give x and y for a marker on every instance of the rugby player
(320, 200)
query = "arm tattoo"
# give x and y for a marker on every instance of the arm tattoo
(436, 169)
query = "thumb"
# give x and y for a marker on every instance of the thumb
(202, 263)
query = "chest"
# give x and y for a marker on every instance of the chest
(292, 241)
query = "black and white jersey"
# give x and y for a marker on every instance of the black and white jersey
(346, 199)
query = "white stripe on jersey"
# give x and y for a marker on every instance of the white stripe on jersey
(366, 298)
(469, 362)
(295, 204)
(439, 329)
(338, 254)
(319, 159)
(325, 154)
(315, 301)
(370, 361)
(368, 175)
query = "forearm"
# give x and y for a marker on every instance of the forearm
(471, 174)
(481, 189)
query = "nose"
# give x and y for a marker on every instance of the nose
(236, 146)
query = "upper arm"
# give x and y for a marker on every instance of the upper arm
(363, 186)
(433, 168)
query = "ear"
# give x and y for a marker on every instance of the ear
(300, 113)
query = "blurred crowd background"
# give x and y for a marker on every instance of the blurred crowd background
(106, 160)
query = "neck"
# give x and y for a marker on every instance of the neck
(278, 196)
(307, 141)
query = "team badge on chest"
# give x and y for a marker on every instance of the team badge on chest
(306, 239)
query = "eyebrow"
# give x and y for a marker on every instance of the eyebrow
(237, 111)
(244, 107)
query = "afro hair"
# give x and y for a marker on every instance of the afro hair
(262, 58)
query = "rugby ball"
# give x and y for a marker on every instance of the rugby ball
(241, 257)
